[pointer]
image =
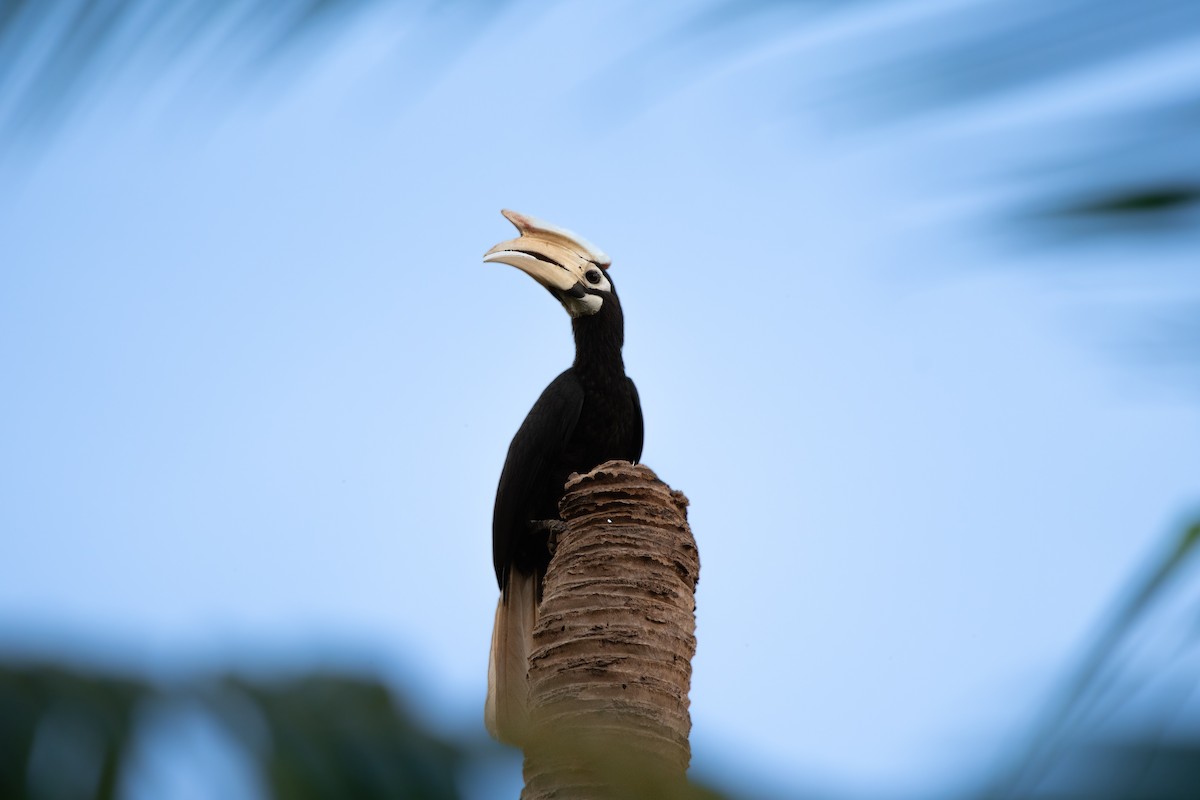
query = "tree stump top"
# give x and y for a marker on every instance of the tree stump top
(611, 667)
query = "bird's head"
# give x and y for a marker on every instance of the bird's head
(570, 267)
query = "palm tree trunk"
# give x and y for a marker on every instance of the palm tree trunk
(611, 665)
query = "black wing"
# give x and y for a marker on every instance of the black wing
(639, 430)
(532, 457)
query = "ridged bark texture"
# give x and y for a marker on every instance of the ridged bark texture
(611, 665)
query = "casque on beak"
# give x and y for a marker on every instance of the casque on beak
(554, 257)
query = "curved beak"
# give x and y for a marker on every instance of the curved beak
(526, 256)
(552, 256)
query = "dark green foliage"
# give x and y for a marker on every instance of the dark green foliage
(50, 716)
(1152, 200)
(333, 737)
(68, 733)
(1122, 770)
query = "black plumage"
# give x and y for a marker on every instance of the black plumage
(589, 414)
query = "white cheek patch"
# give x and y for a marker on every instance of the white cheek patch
(583, 306)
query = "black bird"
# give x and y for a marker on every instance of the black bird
(587, 415)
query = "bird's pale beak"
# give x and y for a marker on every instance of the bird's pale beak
(552, 256)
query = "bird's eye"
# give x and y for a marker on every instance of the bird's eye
(593, 276)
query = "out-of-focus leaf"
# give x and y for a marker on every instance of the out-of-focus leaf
(1062, 730)
(1148, 200)
(55, 53)
(1128, 166)
(967, 53)
(333, 737)
(68, 733)
(1123, 769)
(63, 731)
(721, 15)
(912, 60)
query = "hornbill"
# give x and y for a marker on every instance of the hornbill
(587, 415)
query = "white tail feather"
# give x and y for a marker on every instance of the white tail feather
(506, 711)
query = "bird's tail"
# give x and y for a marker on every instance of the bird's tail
(507, 708)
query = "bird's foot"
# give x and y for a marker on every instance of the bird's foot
(552, 528)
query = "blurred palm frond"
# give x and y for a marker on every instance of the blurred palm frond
(1069, 122)
(1123, 723)
(887, 62)
(56, 54)
(73, 732)
(891, 61)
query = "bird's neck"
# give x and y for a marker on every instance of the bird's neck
(598, 341)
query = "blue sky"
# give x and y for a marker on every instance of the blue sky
(259, 387)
